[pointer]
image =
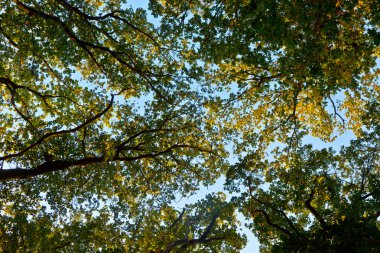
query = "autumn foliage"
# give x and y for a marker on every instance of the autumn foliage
(110, 113)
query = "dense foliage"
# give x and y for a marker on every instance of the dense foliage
(109, 113)
(313, 200)
(285, 62)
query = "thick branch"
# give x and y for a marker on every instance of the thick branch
(46, 167)
(178, 219)
(290, 223)
(60, 165)
(317, 215)
(270, 223)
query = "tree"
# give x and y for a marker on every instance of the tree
(313, 200)
(208, 225)
(289, 66)
(106, 116)
(98, 127)
(74, 109)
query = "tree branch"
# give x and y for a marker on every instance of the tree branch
(59, 165)
(85, 45)
(290, 223)
(369, 194)
(112, 14)
(202, 239)
(270, 223)
(52, 134)
(49, 166)
(314, 211)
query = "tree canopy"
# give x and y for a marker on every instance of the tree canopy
(288, 60)
(313, 200)
(109, 113)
